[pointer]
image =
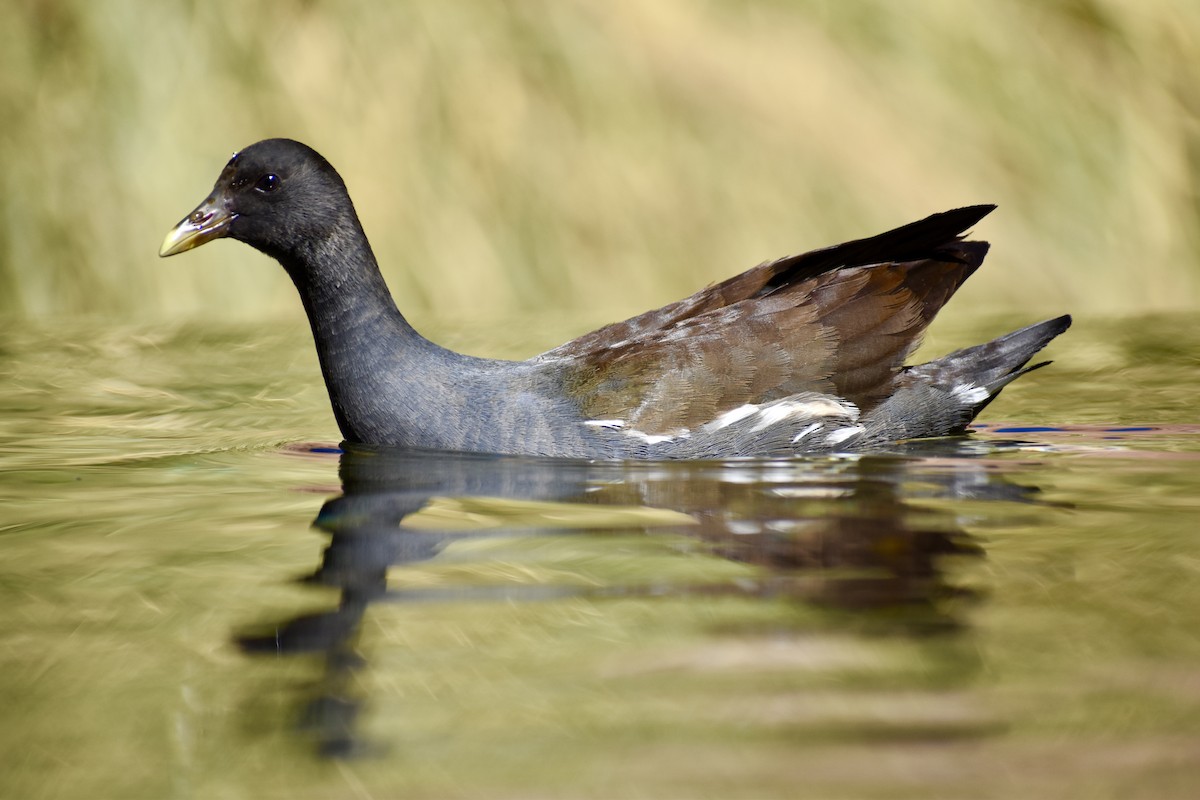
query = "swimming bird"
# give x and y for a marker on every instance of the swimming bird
(800, 355)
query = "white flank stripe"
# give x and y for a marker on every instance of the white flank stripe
(774, 414)
(787, 409)
(656, 438)
(732, 416)
(842, 434)
(806, 431)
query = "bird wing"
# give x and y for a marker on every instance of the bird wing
(836, 321)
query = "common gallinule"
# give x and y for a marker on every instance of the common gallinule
(800, 355)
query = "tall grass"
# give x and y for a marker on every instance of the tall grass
(601, 157)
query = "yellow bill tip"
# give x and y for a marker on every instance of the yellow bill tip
(209, 221)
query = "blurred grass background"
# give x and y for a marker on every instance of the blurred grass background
(598, 158)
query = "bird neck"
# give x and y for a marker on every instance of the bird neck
(367, 349)
(341, 286)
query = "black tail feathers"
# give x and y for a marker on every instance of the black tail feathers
(991, 366)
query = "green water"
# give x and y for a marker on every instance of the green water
(1013, 616)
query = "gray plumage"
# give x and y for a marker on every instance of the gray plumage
(800, 355)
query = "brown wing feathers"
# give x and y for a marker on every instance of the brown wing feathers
(935, 237)
(839, 320)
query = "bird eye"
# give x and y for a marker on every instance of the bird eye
(267, 184)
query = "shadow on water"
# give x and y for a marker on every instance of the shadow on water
(860, 537)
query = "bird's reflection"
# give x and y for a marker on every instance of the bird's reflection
(862, 535)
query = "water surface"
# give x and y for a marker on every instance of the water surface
(205, 598)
